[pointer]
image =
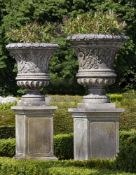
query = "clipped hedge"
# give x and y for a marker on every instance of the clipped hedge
(30, 167)
(7, 147)
(115, 97)
(63, 121)
(7, 132)
(63, 146)
(126, 159)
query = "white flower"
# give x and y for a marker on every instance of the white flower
(1, 99)
(9, 99)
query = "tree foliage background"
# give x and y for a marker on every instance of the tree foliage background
(64, 65)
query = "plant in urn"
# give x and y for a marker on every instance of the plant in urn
(34, 118)
(32, 62)
(96, 38)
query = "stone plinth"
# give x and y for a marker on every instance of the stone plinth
(34, 132)
(34, 118)
(96, 131)
(96, 121)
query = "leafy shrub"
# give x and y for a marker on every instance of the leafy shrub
(126, 159)
(62, 69)
(99, 22)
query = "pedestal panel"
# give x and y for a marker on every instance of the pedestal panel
(103, 139)
(96, 133)
(34, 133)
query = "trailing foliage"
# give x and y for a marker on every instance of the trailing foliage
(98, 23)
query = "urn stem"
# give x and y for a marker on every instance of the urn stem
(96, 94)
(99, 90)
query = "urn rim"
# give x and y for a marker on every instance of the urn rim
(91, 36)
(31, 46)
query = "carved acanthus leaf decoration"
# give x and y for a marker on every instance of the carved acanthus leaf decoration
(88, 58)
(92, 58)
(36, 62)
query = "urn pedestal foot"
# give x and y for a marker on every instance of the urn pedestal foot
(96, 131)
(34, 132)
(32, 98)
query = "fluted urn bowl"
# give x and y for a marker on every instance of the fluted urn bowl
(96, 54)
(32, 64)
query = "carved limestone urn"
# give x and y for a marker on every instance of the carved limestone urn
(96, 54)
(32, 64)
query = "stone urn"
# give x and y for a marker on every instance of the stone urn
(96, 54)
(32, 64)
(34, 118)
(96, 120)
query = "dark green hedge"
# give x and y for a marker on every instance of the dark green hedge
(7, 147)
(63, 146)
(22, 167)
(7, 132)
(63, 121)
(126, 159)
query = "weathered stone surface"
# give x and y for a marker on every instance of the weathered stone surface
(95, 132)
(34, 132)
(96, 121)
(96, 55)
(32, 63)
(34, 118)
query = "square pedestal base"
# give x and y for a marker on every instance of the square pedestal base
(34, 132)
(96, 133)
